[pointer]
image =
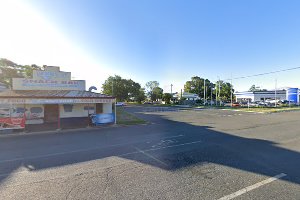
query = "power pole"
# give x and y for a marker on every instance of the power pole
(171, 93)
(204, 92)
(219, 90)
(112, 88)
(231, 91)
(275, 92)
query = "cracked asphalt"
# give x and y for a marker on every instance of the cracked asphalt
(180, 154)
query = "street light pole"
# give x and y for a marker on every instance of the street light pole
(219, 90)
(231, 91)
(275, 92)
(211, 89)
(112, 88)
(204, 92)
(171, 93)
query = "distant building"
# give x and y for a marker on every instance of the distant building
(190, 96)
(291, 94)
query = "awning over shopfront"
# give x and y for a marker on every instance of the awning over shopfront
(53, 97)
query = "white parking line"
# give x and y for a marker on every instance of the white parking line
(90, 149)
(252, 187)
(150, 156)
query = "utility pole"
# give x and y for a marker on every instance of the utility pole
(219, 90)
(171, 93)
(231, 95)
(204, 92)
(275, 92)
(211, 89)
(112, 88)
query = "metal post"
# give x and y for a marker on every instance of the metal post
(248, 104)
(210, 97)
(112, 88)
(24, 116)
(231, 93)
(88, 115)
(275, 92)
(115, 113)
(219, 91)
(58, 120)
(204, 92)
(171, 93)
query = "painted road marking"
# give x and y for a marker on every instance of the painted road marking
(175, 136)
(252, 187)
(159, 148)
(94, 148)
(75, 151)
(152, 157)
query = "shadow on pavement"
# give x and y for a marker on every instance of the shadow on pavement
(168, 145)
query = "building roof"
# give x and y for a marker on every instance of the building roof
(52, 94)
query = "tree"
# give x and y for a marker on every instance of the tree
(254, 88)
(10, 70)
(196, 86)
(122, 89)
(167, 98)
(141, 96)
(154, 92)
(225, 90)
(157, 93)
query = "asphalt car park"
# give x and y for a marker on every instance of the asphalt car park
(179, 154)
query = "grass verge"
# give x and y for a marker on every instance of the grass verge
(126, 118)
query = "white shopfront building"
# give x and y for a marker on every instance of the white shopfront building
(52, 99)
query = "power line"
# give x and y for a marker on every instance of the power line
(262, 74)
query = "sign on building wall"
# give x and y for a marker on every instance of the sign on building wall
(49, 79)
(106, 118)
(10, 120)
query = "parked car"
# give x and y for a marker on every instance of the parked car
(254, 104)
(262, 104)
(236, 104)
(120, 104)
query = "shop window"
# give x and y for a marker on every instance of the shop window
(20, 110)
(68, 107)
(36, 110)
(91, 108)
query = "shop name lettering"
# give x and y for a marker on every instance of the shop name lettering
(28, 82)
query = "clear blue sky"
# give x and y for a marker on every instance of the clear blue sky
(171, 40)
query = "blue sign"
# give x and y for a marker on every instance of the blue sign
(292, 95)
(106, 118)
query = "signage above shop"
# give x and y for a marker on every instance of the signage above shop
(53, 101)
(49, 79)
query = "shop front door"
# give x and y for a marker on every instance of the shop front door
(51, 113)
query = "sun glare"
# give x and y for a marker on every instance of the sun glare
(26, 37)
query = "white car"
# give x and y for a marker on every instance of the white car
(120, 104)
